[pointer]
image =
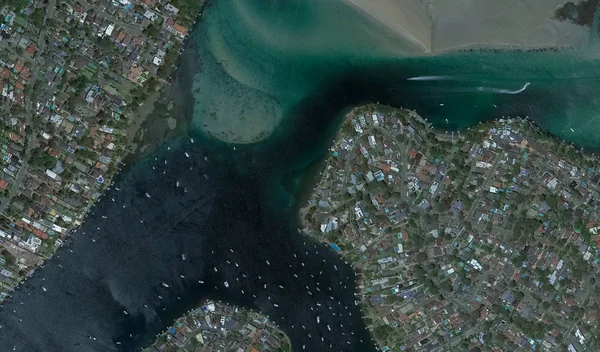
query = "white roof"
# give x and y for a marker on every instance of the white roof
(109, 29)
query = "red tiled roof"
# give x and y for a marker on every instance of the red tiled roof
(40, 234)
(120, 37)
(19, 66)
(3, 184)
(179, 28)
(385, 168)
(25, 73)
(31, 49)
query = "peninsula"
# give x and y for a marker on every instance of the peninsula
(217, 326)
(485, 239)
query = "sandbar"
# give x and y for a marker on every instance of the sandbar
(408, 18)
(437, 26)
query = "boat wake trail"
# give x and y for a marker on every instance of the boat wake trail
(429, 78)
(503, 91)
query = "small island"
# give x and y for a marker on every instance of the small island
(483, 240)
(217, 326)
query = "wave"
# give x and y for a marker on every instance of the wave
(503, 91)
(429, 78)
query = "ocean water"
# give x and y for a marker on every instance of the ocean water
(298, 66)
(275, 57)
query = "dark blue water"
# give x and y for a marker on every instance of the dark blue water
(245, 212)
(119, 263)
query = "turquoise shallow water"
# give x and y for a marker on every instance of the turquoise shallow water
(271, 59)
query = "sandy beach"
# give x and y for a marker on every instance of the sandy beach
(438, 26)
(261, 59)
(408, 18)
(501, 23)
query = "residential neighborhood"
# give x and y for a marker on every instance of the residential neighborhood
(72, 76)
(485, 240)
(217, 326)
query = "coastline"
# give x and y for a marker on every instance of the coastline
(308, 226)
(211, 310)
(418, 21)
(438, 27)
(136, 144)
(150, 127)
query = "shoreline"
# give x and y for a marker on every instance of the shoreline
(150, 128)
(236, 311)
(345, 239)
(436, 24)
(134, 146)
(543, 137)
(398, 29)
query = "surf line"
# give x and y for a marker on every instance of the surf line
(504, 91)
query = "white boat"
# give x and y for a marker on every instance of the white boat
(328, 328)
(318, 319)
(276, 305)
(268, 262)
(165, 285)
(147, 195)
(187, 155)
(125, 312)
(192, 140)
(200, 281)
(183, 257)
(43, 288)
(215, 268)
(226, 284)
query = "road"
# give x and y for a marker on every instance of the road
(132, 29)
(486, 185)
(32, 139)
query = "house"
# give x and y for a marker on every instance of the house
(181, 30)
(31, 49)
(171, 9)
